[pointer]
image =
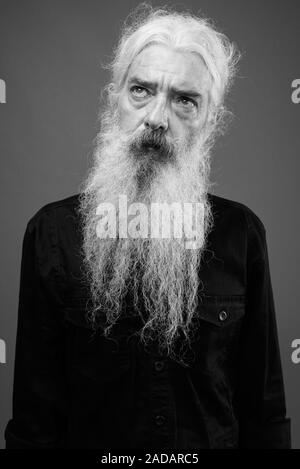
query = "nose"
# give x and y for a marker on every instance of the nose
(157, 117)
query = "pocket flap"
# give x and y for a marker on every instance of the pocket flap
(222, 310)
(76, 310)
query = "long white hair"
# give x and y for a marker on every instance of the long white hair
(162, 275)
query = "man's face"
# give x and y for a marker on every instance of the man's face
(165, 89)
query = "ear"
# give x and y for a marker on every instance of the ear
(213, 111)
(112, 94)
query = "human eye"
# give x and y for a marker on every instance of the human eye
(186, 103)
(139, 92)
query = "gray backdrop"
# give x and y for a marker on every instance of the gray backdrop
(50, 58)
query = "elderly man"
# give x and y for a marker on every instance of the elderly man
(128, 337)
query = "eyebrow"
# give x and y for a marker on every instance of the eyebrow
(152, 85)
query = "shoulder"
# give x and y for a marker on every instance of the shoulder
(53, 238)
(55, 215)
(240, 218)
(57, 209)
(53, 224)
(237, 211)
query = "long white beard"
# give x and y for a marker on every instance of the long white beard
(162, 275)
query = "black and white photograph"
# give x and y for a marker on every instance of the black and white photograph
(150, 292)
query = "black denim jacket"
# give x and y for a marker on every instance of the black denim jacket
(75, 390)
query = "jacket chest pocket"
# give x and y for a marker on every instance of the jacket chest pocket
(90, 353)
(218, 329)
(222, 311)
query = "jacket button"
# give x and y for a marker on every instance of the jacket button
(223, 315)
(158, 365)
(159, 420)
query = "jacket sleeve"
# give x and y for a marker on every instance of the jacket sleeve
(262, 407)
(38, 419)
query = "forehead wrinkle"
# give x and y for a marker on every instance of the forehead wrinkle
(157, 73)
(164, 78)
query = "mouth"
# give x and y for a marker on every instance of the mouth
(153, 147)
(157, 153)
